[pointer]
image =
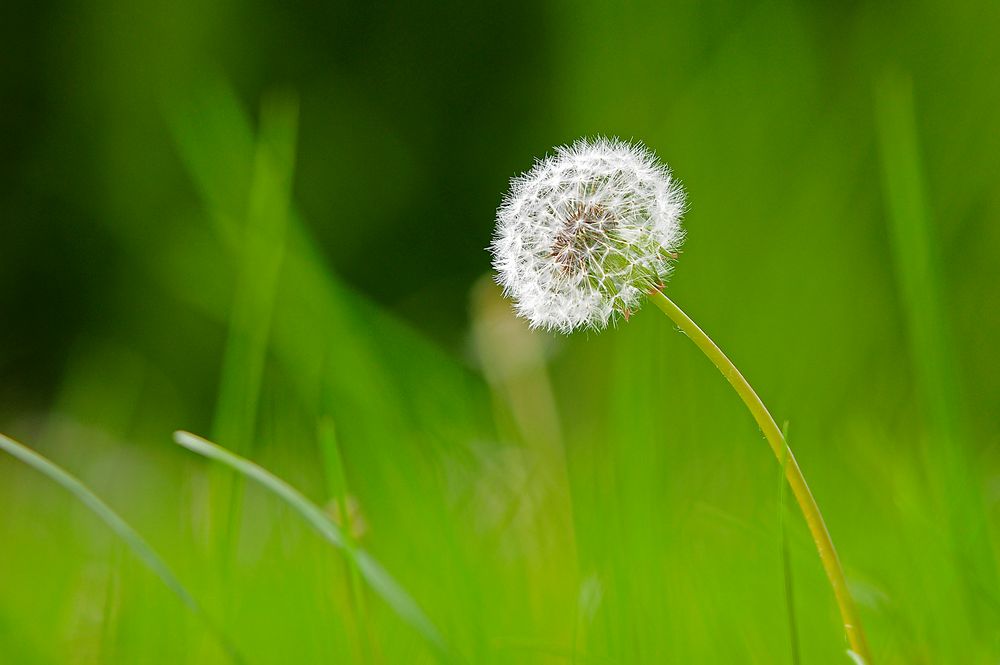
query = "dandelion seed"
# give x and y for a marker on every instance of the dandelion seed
(586, 233)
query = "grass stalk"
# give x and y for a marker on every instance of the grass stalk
(336, 480)
(122, 529)
(378, 578)
(797, 482)
(262, 254)
(922, 291)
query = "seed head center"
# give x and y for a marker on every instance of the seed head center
(582, 237)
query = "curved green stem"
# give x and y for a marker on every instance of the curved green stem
(804, 497)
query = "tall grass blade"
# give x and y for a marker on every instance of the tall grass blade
(262, 251)
(336, 481)
(931, 348)
(380, 581)
(317, 315)
(263, 247)
(121, 528)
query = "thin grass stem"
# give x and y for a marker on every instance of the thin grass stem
(123, 530)
(336, 480)
(380, 581)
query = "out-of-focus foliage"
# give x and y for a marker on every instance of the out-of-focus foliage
(265, 222)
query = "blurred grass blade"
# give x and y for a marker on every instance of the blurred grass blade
(263, 247)
(221, 125)
(261, 252)
(316, 315)
(931, 348)
(336, 480)
(376, 576)
(122, 529)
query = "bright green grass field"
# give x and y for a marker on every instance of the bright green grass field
(459, 488)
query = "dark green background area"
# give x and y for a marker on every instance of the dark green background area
(841, 162)
(414, 116)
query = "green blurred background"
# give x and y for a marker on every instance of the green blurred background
(585, 499)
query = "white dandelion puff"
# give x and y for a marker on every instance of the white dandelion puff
(586, 233)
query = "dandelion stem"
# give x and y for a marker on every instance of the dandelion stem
(804, 497)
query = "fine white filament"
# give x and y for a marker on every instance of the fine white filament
(586, 233)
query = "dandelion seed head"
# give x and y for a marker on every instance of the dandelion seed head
(584, 234)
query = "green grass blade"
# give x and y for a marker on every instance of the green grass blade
(316, 314)
(336, 480)
(121, 528)
(263, 248)
(380, 581)
(931, 348)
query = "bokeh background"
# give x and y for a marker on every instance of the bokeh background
(265, 223)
